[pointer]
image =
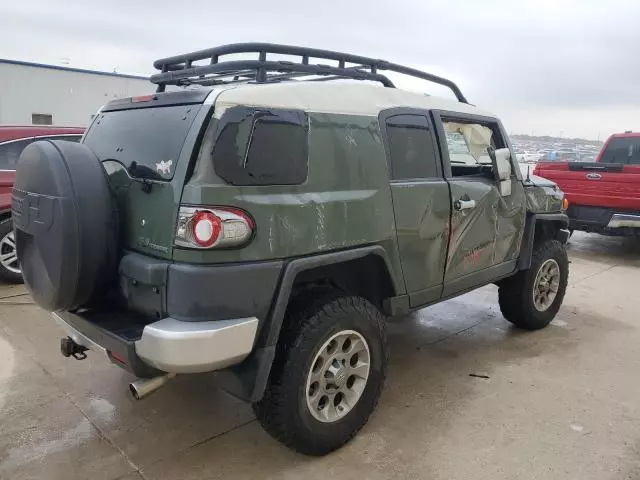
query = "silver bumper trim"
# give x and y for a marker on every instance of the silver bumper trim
(78, 337)
(184, 347)
(624, 220)
(192, 347)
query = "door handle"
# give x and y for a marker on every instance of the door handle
(464, 204)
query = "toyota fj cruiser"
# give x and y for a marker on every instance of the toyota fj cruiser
(261, 223)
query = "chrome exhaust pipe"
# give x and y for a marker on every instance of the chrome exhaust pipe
(143, 387)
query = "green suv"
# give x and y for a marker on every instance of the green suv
(262, 217)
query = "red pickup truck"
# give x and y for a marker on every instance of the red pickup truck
(13, 139)
(604, 196)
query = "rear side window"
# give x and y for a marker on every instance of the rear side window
(10, 153)
(411, 147)
(261, 147)
(622, 150)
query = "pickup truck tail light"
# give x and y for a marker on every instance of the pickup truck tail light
(213, 227)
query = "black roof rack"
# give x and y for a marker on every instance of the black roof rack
(182, 70)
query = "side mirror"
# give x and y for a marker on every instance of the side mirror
(501, 159)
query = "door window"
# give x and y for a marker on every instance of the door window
(468, 144)
(411, 147)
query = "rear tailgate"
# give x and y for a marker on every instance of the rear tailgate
(146, 145)
(611, 185)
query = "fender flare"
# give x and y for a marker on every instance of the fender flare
(298, 265)
(248, 380)
(528, 238)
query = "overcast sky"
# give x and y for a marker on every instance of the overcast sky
(545, 67)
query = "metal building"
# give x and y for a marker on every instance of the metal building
(38, 94)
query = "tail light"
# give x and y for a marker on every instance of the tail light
(565, 203)
(215, 227)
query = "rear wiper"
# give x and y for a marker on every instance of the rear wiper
(146, 175)
(143, 172)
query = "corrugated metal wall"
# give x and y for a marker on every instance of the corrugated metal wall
(71, 97)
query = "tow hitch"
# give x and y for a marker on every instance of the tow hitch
(69, 348)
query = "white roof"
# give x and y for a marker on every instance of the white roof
(336, 97)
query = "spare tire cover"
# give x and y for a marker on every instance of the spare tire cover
(65, 220)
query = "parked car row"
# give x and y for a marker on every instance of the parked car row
(13, 139)
(528, 157)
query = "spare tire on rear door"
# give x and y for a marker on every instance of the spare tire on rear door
(65, 220)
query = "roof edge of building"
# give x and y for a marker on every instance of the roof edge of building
(71, 69)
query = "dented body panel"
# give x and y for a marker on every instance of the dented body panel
(543, 198)
(422, 215)
(488, 234)
(345, 202)
(428, 242)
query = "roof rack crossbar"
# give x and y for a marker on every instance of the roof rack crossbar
(180, 69)
(184, 76)
(293, 75)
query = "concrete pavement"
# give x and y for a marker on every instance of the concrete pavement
(559, 403)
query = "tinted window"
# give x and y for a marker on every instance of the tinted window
(411, 148)
(622, 150)
(260, 147)
(151, 137)
(10, 153)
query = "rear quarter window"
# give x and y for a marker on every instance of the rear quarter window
(261, 147)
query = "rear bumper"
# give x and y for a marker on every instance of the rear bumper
(619, 220)
(191, 347)
(607, 221)
(167, 345)
(171, 317)
(197, 293)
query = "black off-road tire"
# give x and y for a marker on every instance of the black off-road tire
(10, 276)
(516, 293)
(283, 411)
